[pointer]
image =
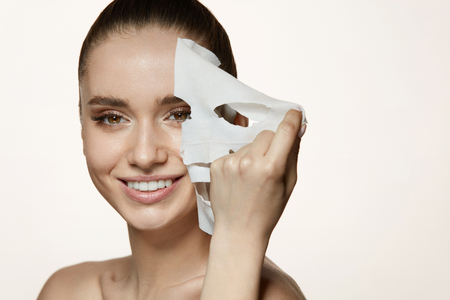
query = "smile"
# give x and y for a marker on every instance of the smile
(144, 190)
(145, 186)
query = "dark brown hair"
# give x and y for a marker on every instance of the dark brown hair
(187, 16)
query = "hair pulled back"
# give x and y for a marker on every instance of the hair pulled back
(189, 17)
(186, 16)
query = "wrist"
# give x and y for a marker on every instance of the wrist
(243, 240)
(235, 260)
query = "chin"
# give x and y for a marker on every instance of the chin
(178, 210)
(166, 208)
(153, 220)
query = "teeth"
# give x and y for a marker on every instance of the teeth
(152, 185)
(144, 186)
(161, 184)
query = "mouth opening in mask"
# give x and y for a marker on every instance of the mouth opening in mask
(254, 112)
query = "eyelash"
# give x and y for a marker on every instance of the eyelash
(101, 119)
(178, 111)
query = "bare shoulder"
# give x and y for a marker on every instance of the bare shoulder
(81, 281)
(276, 284)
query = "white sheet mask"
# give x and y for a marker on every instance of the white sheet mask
(212, 92)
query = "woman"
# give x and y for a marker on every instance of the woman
(131, 130)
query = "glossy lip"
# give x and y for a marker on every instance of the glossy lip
(149, 197)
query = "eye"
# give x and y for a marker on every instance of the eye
(180, 115)
(113, 119)
(109, 119)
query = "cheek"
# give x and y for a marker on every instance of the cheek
(173, 140)
(102, 154)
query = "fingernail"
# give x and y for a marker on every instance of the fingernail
(302, 131)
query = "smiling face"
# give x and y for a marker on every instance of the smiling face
(131, 129)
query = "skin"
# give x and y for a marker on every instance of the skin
(171, 257)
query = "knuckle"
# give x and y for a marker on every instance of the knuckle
(246, 163)
(230, 164)
(288, 127)
(268, 134)
(215, 165)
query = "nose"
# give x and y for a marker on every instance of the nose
(147, 147)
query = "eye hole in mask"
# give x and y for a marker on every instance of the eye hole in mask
(254, 112)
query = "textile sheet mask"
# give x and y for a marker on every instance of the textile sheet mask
(214, 97)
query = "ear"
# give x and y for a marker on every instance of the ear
(240, 120)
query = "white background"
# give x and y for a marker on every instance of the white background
(369, 216)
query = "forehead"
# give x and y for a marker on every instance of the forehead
(132, 65)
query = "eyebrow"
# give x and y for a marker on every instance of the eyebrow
(169, 100)
(108, 101)
(117, 102)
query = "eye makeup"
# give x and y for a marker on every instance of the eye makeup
(108, 118)
(180, 114)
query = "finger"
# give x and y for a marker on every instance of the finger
(291, 167)
(261, 143)
(286, 135)
(242, 151)
(229, 159)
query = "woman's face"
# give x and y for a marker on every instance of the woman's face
(131, 129)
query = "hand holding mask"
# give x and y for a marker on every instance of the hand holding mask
(214, 97)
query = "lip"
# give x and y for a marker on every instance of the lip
(150, 178)
(149, 197)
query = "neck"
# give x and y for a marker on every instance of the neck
(169, 256)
